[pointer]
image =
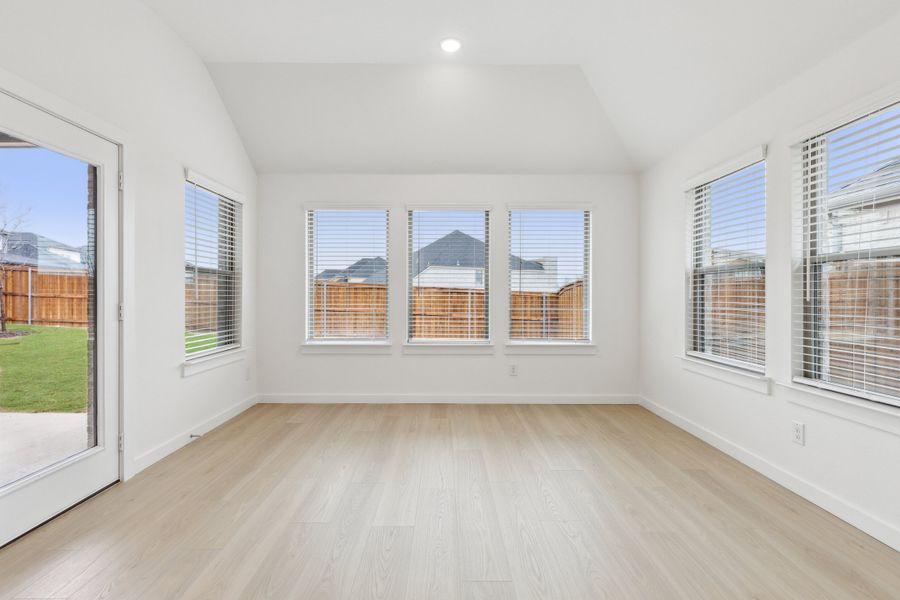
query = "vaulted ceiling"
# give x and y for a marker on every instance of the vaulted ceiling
(419, 118)
(539, 85)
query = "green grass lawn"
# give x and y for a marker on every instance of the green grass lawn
(195, 342)
(45, 371)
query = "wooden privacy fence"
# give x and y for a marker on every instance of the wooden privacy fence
(549, 315)
(342, 309)
(859, 321)
(448, 313)
(201, 305)
(736, 308)
(349, 309)
(32, 296)
(862, 323)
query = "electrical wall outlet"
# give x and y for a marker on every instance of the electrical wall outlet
(247, 374)
(513, 370)
(798, 433)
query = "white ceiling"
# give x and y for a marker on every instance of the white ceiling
(661, 71)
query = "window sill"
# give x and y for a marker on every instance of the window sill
(448, 348)
(195, 366)
(755, 382)
(845, 406)
(564, 348)
(338, 347)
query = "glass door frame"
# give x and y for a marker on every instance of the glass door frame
(23, 503)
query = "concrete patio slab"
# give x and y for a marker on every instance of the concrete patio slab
(33, 441)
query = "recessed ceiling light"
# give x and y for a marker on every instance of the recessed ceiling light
(450, 45)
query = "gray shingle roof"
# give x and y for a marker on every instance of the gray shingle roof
(34, 250)
(882, 184)
(456, 249)
(370, 270)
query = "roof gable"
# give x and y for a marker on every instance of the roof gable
(458, 249)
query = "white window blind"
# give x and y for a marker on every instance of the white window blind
(347, 272)
(847, 291)
(448, 275)
(727, 279)
(212, 271)
(549, 275)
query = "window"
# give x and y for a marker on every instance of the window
(549, 275)
(727, 291)
(347, 275)
(448, 275)
(212, 272)
(848, 287)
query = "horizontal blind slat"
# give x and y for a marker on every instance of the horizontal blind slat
(549, 266)
(347, 274)
(212, 271)
(726, 305)
(448, 275)
(847, 293)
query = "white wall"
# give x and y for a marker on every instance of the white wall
(115, 61)
(851, 462)
(286, 374)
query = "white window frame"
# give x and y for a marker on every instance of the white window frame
(748, 159)
(208, 359)
(441, 345)
(338, 345)
(538, 345)
(806, 265)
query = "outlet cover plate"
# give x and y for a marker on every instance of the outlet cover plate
(798, 433)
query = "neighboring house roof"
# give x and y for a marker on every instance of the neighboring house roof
(371, 270)
(456, 249)
(331, 274)
(8, 141)
(368, 270)
(885, 179)
(33, 250)
(733, 258)
(520, 264)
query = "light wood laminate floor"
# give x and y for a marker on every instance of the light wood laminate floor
(448, 501)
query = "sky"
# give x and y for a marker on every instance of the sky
(555, 234)
(343, 237)
(862, 147)
(206, 217)
(431, 225)
(737, 209)
(47, 190)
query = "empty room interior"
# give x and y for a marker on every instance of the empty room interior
(483, 299)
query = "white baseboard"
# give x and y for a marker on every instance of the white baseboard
(852, 514)
(313, 398)
(144, 460)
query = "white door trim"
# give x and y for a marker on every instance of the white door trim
(111, 288)
(17, 87)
